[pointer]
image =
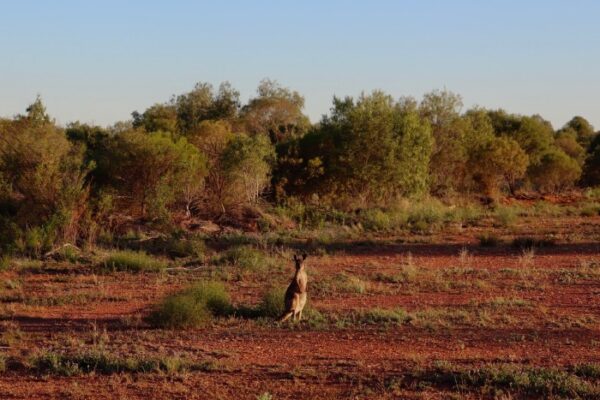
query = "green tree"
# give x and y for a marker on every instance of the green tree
(366, 152)
(498, 164)
(556, 171)
(152, 172)
(450, 154)
(591, 170)
(584, 131)
(202, 103)
(42, 180)
(276, 112)
(157, 118)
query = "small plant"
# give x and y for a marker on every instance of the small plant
(465, 258)
(527, 257)
(101, 362)
(383, 316)
(265, 396)
(193, 307)
(5, 262)
(247, 258)
(506, 216)
(133, 261)
(272, 305)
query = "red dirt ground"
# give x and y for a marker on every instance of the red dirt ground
(558, 327)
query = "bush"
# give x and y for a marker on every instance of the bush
(247, 258)
(5, 262)
(272, 303)
(506, 216)
(193, 307)
(133, 261)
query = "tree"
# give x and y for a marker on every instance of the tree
(584, 131)
(591, 170)
(42, 180)
(239, 166)
(247, 163)
(449, 156)
(157, 118)
(566, 140)
(556, 171)
(275, 112)
(366, 152)
(154, 171)
(203, 104)
(498, 163)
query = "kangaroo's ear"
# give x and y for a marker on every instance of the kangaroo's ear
(304, 255)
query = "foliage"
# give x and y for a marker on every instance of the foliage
(133, 261)
(192, 307)
(555, 171)
(43, 194)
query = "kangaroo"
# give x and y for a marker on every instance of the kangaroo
(295, 295)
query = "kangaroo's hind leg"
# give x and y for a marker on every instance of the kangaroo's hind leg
(285, 316)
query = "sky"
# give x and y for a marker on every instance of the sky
(97, 61)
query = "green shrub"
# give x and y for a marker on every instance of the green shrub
(185, 248)
(193, 307)
(588, 370)
(247, 258)
(506, 216)
(272, 303)
(376, 220)
(133, 261)
(590, 210)
(5, 262)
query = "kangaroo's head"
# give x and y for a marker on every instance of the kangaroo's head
(299, 261)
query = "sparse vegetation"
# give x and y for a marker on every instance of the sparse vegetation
(132, 261)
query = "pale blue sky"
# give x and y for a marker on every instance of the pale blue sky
(97, 61)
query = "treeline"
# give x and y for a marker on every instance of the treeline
(204, 154)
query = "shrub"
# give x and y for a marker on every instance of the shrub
(376, 220)
(272, 303)
(247, 258)
(590, 210)
(506, 216)
(193, 307)
(5, 262)
(133, 261)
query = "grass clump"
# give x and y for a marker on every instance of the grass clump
(5, 262)
(506, 216)
(376, 316)
(545, 382)
(133, 261)
(272, 303)
(193, 307)
(101, 362)
(246, 258)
